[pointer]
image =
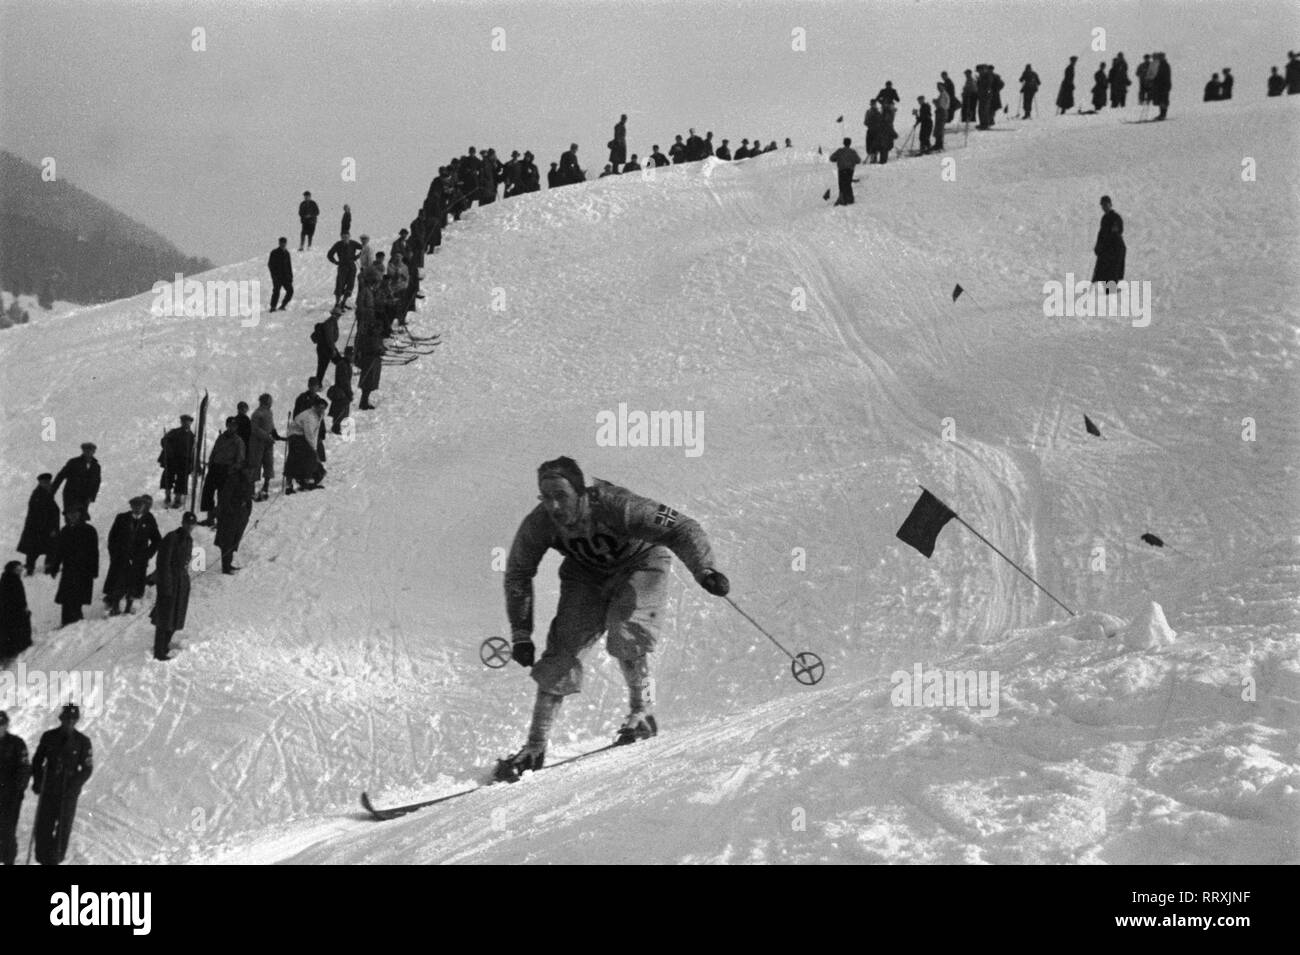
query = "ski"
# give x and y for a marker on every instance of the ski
(395, 812)
(199, 440)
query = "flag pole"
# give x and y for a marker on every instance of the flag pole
(1005, 557)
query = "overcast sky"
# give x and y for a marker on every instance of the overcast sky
(214, 148)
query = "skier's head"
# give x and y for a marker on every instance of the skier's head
(562, 487)
(70, 714)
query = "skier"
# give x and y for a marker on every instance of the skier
(227, 455)
(1029, 84)
(618, 548)
(343, 254)
(280, 265)
(41, 525)
(233, 510)
(83, 476)
(846, 159)
(307, 213)
(62, 765)
(1065, 97)
(76, 554)
(15, 771)
(177, 460)
(132, 541)
(15, 617)
(173, 579)
(261, 444)
(1109, 247)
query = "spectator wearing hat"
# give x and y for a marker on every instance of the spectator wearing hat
(308, 212)
(15, 617)
(227, 455)
(76, 556)
(243, 425)
(280, 265)
(15, 771)
(399, 244)
(173, 580)
(41, 525)
(82, 477)
(132, 541)
(1065, 95)
(303, 463)
(177, 460)
(326, 338)
(62, 765)
(512, 173)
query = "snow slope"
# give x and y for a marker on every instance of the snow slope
(344, 656)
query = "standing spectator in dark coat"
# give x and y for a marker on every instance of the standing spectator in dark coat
(42, 523)
(924, 119)
(1029, 84)
(370, 354)
(1225, 89)
(845, 159)
(62, 765)
(308, 212)
(995, 86)
(227, 455)
(632, 165)
(15, 771)
(969, 98)
(345, 226)
(15, 617)
(173, 579)
(1109, 248)
(82, 475)
(694, 146)
(953, 101)
(723, 152)
(1276, 83)
(399, 244)
(177, 460)
(1065, 97)
(1213, 90)
(327, 341)
(531, 176)
(1292, 73)
(618, 145)
(340, 393)
(984, 90)
(243, 425)
(280, 265)
(344, 254)
(232, 516)
(940, 104)
(677, 151)
(875, 123)
(76, 554)
(570, 171)
(657, 158)
(553, 178)
(132, 541)
(510, 175)
(261, 444)
(1099, 88)
(888, 96)
(1162, 85)
(1119, 82)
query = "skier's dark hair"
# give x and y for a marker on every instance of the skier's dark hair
(563, 467)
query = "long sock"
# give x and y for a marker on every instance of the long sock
(640, 686)
(544, 710)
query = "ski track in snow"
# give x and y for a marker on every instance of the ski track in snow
(344, 656)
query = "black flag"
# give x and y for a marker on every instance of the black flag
(922, 526)
(826, 195)
(1152, 540)
(956, 292)
(1092, 428)
(839, 119)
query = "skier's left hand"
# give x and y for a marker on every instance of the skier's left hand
(715, 582)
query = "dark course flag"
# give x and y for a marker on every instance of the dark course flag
(1152, 540)
(922, 527)
(956, 292)
(826, 195)
(1092, 428)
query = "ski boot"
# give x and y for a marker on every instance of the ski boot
(639, 725)
(531, 758)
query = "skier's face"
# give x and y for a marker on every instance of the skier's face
(561, 501)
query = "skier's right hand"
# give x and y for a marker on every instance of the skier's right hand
(523, 652)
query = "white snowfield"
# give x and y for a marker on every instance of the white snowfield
(1161, 726)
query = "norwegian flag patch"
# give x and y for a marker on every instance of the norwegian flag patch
(665, 516)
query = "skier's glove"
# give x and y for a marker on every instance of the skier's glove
(523, 652)
(715, 582)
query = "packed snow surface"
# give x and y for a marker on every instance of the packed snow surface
(1158, 726)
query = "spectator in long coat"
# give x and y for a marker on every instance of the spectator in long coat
(132, 541)
(1029, 84)
(82, 476)
(227, 455)
(76, 562)
(62, 765)
(280, 265)
(173, 581)
(1099, 88)
(618, 145)
(1065, 97)
(1109, 248)
(846, 159)
(1119, 81)
(41, 525)
(15, 617)
(15, 771)
(308, 212)
(303, 463)
(232, 516)
(370, 353)
(570, 171)
(1161, 85)
(177, 460)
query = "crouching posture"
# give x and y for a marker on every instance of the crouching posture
(617, 550)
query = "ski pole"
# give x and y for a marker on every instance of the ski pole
(807, 667)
